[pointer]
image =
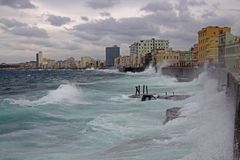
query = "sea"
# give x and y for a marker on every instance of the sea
(88, 115)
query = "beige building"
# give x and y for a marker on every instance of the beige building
(69, 63)
(87, 62)
(171, 57)
(133, 60)
(122, 61)
(99, 64)
(48, 63)
(117, 62)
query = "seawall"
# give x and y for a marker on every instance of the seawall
(182, 73)
(232, 83)
(226, 79)
(233, 91)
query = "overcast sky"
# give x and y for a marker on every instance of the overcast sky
(75, 28)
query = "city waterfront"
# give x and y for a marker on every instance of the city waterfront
(119, 80)
(73, 114)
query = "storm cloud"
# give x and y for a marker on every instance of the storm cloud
(105, 14)
(58, 20)
(62, 27)
(157, 6)
(118, 29)
(100, 4)
(22, 29)
(84, 18)
(18, 4)
(10, 23)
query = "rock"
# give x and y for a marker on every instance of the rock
(171, 114)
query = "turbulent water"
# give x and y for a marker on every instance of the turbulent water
(87, 115)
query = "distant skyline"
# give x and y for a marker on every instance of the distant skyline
(74, 28)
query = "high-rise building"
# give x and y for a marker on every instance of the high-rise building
(39, 59)
(208, 42)
(111, 54)
(144, 47)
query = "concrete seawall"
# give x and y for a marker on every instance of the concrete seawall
(232, 83)
(225, 79)
(182, 73)
(233, 90)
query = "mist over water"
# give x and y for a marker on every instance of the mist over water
(87, 115)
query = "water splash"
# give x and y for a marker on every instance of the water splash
(210, 118)
(66, 94)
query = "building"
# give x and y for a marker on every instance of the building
(194, 51)
(87, 62)
(133, 60)
(185, 59)
(134, 48)
(28, 65)
(69, 63)
(48, 63)
(208, 42)
(122, 62)
(229, 52)
(111, 54)
(99, 64)
(144, 47)
(125, 61)
(117, 62)
(169, 56)
(39, 59)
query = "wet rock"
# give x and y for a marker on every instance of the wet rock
(171, 114)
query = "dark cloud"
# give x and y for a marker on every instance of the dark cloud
(49, 43)
(105, 14)
(165, 21)
(157, 6)
(22, 29)
(84, 18)
(209, 14)
(196, 2)
(10, 23)
(19, 4)
(58, 20)
(100, 4)
(126, 28)
(30, 32)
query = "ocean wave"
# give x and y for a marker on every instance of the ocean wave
(67, 94)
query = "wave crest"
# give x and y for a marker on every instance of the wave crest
(66, 94)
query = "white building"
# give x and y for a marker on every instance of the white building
(143, 47)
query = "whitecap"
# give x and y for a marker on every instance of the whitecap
(67, 94)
